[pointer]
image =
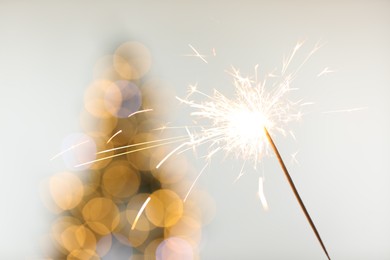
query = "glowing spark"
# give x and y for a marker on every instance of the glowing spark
(140, 111)
(171, 153)
(194, 182)
(325, 71)
(307, 104)
(261, 194)
(177, 138)
(140, 212)
(197, 54)
(235, 124)
(241, 125)
(294, 157)
(132, 151)
(117, 133)
(68, 149)
(345, 110)
(241, 173)
(214, 52)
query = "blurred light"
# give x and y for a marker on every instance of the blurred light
(174, 248)
(78, 237)
(120, 180)
(132, 60)
(165, 208)
(123, 99)
(133, 207)
(101, 215)
(66, 190)
(58, 228)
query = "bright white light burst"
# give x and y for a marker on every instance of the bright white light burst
(237, 125)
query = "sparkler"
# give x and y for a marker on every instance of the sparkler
(241, 126)
(292, 185)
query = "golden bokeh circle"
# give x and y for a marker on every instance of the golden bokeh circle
(165, 208)
(132, 60)
(101, 215)
(120, 180)
(66, 190)
(94, 98)
(78, 237)
(133, 208)
(58, 227)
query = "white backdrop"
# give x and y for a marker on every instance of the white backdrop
(47, 53)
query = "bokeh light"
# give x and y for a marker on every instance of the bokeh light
(122, 99)
(120, 180)
(115, 204)
(132, 60)
(174, 248)
(165, 208)
(101, 215)
(66, 190)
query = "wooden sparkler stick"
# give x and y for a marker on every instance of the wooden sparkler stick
(292, 185)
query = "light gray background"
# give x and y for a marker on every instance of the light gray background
(47, 53)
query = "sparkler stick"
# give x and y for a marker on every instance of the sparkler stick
(294, 189)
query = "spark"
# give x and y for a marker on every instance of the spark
(214, 52)
(197, 54)
(140, 212)
(241, 125)
(294, 158)
(68, 149)
(176, 138)
(235, 125)
(241, 173)
(324, 72)
(194, 182)
(132, 151)
(261, 194)
(117, 133)
(345, 110)
(140, 111)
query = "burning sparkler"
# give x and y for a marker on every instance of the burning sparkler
(241, 126)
